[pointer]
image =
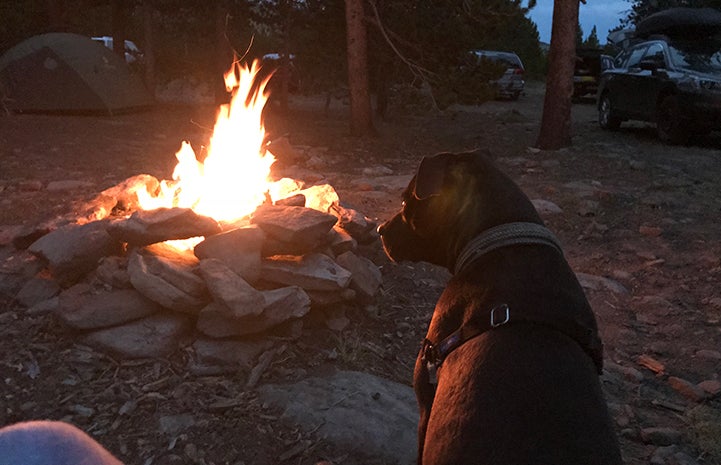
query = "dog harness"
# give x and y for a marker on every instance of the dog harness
(433, 354)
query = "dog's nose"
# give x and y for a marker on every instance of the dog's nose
(381, 228)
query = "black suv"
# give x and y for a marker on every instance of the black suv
(675, 83)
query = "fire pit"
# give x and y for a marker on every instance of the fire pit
(216, 259)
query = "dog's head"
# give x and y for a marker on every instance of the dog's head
(452, 198)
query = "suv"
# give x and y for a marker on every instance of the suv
(590, 63)
(511, 83)
(675, 83)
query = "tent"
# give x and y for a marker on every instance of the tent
(68, 73)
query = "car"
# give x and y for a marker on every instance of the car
(590, 63)
(133, 55)
(510, 84)
(675, 83)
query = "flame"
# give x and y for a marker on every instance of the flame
(234, 178)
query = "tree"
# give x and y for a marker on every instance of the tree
(360, 104)
(555, 130)
(643, 8)
(592, 39)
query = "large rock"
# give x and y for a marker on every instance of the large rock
(81, 307)
(74, 250)
(357, 412)
(320, 197)
(218, 356)
(150, 226)
(281, 305)
(238, 298)
(311, 272)
(367, 276)
(155, 336)
(239, 249)
(305, 227)
(123, 197)
(166, 276)
(358, 225)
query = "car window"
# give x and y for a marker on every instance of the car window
(635, 57)
(655, 53)
(698, 56)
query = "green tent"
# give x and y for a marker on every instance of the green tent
(68, 73)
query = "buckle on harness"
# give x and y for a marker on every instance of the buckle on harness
(500, 315)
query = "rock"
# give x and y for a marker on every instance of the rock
(74, 250)
(661, 436)
(235, 295)
(546, 207)
(306, 227)
(311, 272)
(173, 425)
(297, 200)
(228, 355)
(155, 336)
(114, 272)
(378, 170)
(357, 412)
(341, 241)
(167, 277)
(588, 208)
(284, 151)
(150, 226)
(44, 307)
(281, 305)
(123, 197)
(629, 373)
(651, 363)
(320, 197)
(711, 386)
(239, 249)
(38, 289)
(600, 283)
(687, 389)
(366, 276)
(708, 354)
(650, 231)
(16, 270)
(355, 223)
(81, 307)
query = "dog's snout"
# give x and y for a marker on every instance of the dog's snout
(381, 228)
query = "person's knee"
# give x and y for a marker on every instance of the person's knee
(50, 443)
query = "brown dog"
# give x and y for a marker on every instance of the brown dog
(513, 340)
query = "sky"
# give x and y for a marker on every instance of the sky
(604, 14)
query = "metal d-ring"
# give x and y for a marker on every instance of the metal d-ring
(503, 317)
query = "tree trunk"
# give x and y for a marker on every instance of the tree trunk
(556, 120)
(360, 102)
(119, 26)
(149, 47)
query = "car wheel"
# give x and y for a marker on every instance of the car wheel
(669, 126)
(607, 119)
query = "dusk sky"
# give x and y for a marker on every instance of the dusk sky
(604, 14)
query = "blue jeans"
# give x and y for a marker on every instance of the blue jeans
(50, 443)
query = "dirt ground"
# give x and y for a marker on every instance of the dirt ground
(641, 214)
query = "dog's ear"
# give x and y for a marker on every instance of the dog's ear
(430, 176)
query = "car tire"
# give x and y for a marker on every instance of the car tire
(607, 118)
(669, 126)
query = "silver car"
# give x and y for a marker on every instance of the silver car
(510, 84)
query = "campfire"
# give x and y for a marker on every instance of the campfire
(214, 260)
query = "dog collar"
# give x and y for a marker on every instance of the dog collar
(521, 233)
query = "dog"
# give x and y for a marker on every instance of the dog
(509, 370)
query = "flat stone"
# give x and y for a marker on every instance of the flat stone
(320, 197)
(341, 241)
(38, 289)
(354, 222)
(661, 436)
(281, 305)
(311, 272)
(167, 277)
(230, 290)
(295, 225)
(81, 307)
(16, 270)
(357, 412)
(711, 386)
(366, 276)
(74, 250)
(687, 389)
(114, 272)
(155, 336)
(238, 248)
(162, 224)
(546, 207)
(238, 354)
